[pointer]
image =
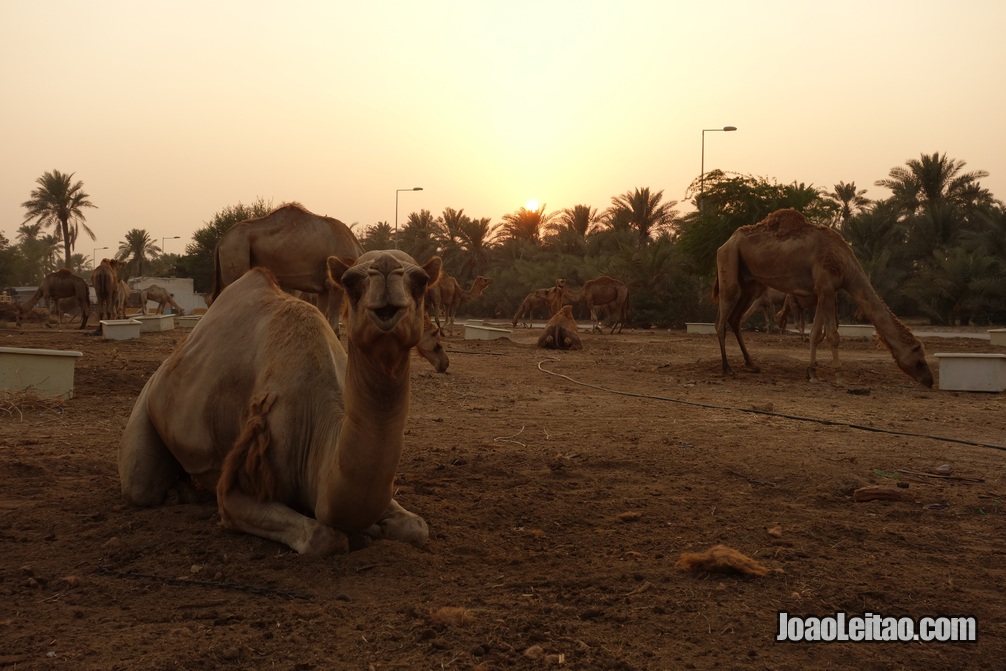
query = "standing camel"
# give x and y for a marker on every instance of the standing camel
(55, 286)
(294, 244)
(604, 293)
(104, 279)
(299, 438)
(532, 303)
(159, 295)
(447, 295)
(785, 252)
(765, 304)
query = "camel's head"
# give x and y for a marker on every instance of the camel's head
(385, 291)
(914, 363)
(431, 348)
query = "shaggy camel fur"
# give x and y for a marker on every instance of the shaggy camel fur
(561, 331)
(295, 245)
(448, 295)
(766, 305)
(159, 295)
(787, 253)
(55, 286)
(105, 279)
(602, 293)
(298, 437)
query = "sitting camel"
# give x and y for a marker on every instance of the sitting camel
(295, 245)
(786, 252)
(55, 286)
(602, 293)
(159, 295)
(561, 331)
(545, 300)
(299, 438)
(448, 295)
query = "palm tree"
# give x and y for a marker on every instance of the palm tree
(849, 199)
(476, 247)
(378, 236)
(59, 203)
(641, 211)
(568, 232)
(525, 224)
(933, 180)
(419, 236)
(136, 248)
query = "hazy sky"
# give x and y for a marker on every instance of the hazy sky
(170, 111)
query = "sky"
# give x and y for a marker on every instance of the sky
(171, 111)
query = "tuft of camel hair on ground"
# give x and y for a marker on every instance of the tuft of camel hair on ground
(721, 559)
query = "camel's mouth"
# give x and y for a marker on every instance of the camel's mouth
(386, 317)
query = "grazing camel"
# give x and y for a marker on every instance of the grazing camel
(294, 244)
(159, 295)
(785, 252)
(543, 300)
(800, 308)
(561, 331)
(605, 293)
(104, 279)
(298, 437)
(448, 295)
(766, 305)
(430, 347)
(54, 286)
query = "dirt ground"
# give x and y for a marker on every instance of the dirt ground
(558, 511)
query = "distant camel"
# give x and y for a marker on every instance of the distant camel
(800, 308)
(539, 300)
(298, 437)
(159, 295)
(766, 305)
(785, 252)
(57, 285)
(447, 295)
(561, 331)
(104, 279)
(602, 293)
(122, 291)
(295, 245)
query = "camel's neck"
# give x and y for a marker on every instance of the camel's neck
(897, 336)
(572, 294)
(376, 407)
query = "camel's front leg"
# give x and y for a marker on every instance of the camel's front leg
(277, 522)
(398, 524)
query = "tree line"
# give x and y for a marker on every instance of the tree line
(935, 248)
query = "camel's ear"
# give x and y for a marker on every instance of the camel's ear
(337, 268)
(432, 268)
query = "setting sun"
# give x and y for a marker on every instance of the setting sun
(531, 205)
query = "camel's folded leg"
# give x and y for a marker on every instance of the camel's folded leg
(398, 524)
(147, 469)
(277, 522)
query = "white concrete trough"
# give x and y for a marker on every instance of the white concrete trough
(46, 372)
(972, 372)
(120, 329)
(700, 327)
(856, 330)
(153, 323)
(479, 332)
(187, 321)
(998, 337)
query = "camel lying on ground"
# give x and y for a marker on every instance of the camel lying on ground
(787, 253)
(447, 295)
(540, 300)
(159, 295)
(298, 437)
(766, 305)
(602, 293)
(295, 245)
(561, 331)
(57, 285)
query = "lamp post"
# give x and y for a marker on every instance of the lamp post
(702, 174)
(174, 237)
(94, 257)
(397, 191)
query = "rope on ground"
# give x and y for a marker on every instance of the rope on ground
(782, 415)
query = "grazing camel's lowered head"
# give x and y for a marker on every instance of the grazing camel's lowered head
(299, 438)
(431, 348)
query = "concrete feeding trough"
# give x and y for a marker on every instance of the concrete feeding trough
(972, 372)
(480, 332)
(187, 321)
(46, 372)
(998, 337)
(152, 323)
(856, 330)
(700, 327)
(120, 329)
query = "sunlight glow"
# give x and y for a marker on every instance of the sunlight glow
(531, 205)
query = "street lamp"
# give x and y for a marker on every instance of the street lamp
(702, 174)
(94, 256)
(174, 237)
(415, 188)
